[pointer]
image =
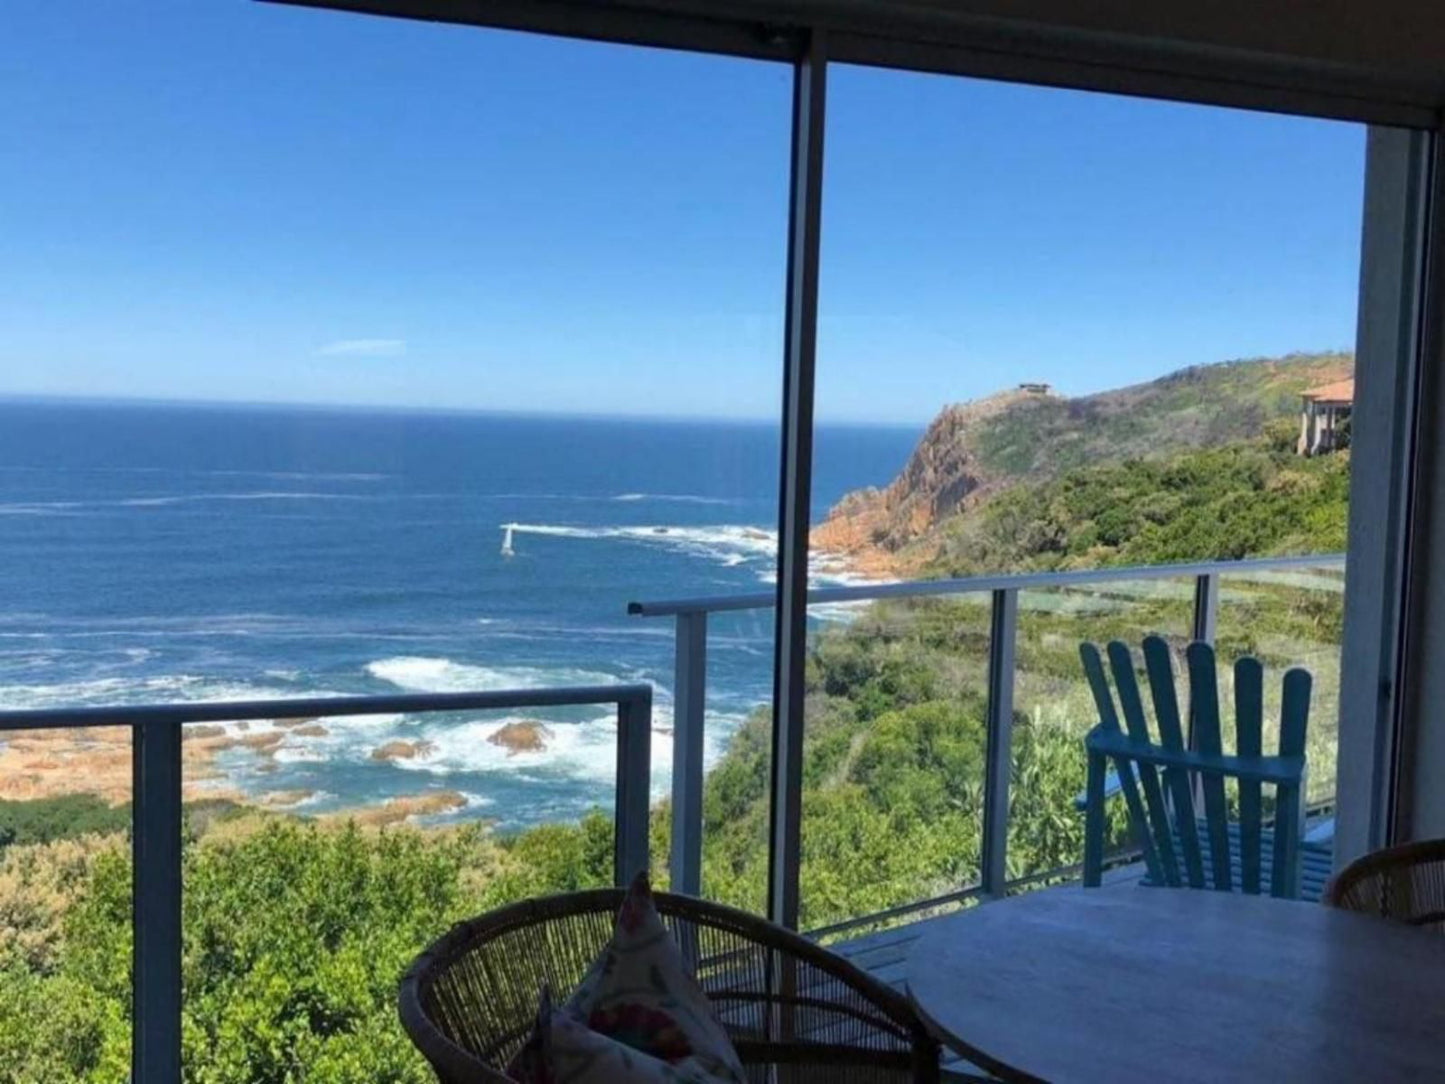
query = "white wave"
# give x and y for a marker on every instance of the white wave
(838, 612)
(576, 750)
(828, 570)
(679, 498)
(438, 675)
(70, 508)
(335, 476)
(573, 751)
(730, 544)
(263, 495)
(40, 508)
(188, 688)
(313, 799)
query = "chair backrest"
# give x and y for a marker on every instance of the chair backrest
(793, 1010)
(1405, 883)
(1163, 779)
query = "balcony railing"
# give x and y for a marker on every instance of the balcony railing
(690, 687)
(156, 836)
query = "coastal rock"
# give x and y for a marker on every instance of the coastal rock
(201, 731)
(96, 760)
(523, 736)
(394, 810)
(291, 724)
(265, 742)
(401, 750)
(311, 730)
(276, 798)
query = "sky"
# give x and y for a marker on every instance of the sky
(237, 201)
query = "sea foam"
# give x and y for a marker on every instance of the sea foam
(439, 675)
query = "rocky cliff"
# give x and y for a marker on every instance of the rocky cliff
(872, 527)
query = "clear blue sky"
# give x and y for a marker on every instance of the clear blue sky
(219, 199)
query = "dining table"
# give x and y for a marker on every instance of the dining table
(1130, 983)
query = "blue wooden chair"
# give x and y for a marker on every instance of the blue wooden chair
(1161, 780)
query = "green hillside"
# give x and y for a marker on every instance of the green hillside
(1245, 499)
(1199, 407)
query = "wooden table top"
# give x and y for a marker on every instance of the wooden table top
(1123, 984)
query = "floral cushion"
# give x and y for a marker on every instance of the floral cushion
(638, 1015)
(564, 1050)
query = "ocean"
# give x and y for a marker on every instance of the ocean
(164, 552)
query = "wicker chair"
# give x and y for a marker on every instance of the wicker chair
(1404, 883)
(796, 1013)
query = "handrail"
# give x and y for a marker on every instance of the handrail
(318, 707)
(690, 677)
(157, 825)
(1004, 581)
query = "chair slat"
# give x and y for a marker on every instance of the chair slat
(1294, 712)
(1293, 716)
(1160, 668)
(1094, 828)
(1121, 660)
(1248, 721)
(1204, 714)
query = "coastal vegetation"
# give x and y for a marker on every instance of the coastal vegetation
(296, 929)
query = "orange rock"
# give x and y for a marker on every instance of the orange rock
(524, 736)
(401, 750)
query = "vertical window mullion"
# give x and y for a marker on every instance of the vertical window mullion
(795, 489)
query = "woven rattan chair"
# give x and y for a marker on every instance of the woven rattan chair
(796, 1013)
(1404, 883)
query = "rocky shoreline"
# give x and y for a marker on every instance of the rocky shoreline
(97, 761)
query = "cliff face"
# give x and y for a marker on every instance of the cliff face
(972, 450)
(872, 526)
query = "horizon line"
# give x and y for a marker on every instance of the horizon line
(526, 412)
(62, 398)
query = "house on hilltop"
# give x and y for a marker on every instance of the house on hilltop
(1324, 413)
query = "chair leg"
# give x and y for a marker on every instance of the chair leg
(1094, 823)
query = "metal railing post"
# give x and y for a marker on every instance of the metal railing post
(1206, 617)
(1206, 606)
(689, 704)
(156, 902)
(634, 783)
(998, 768)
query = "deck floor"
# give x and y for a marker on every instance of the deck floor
(884, 955)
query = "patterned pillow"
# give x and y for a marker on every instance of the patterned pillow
(638, 1017)
(641, 993)
(563, 1050)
